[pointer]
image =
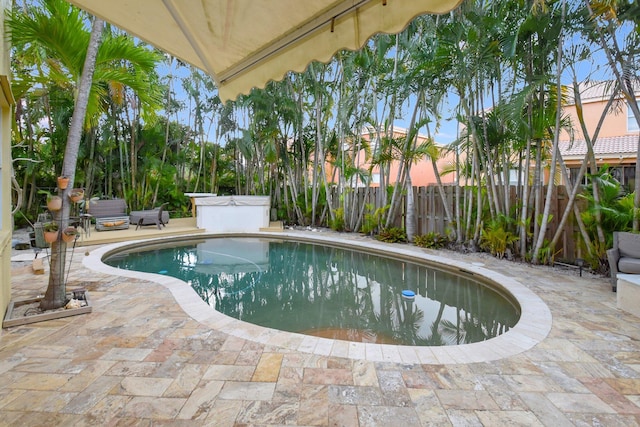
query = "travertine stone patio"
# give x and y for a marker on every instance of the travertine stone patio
(140, 359)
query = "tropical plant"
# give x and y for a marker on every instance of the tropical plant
(50, 226)
(432, 240)
(69, 234)
(546, 254)
(496, 239)
(392, 235)
(304, 140)
(373, 218)
(337, 223)
(613, 210)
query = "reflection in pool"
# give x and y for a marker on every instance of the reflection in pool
(330, 292)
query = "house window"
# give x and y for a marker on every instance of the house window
(573, 173)
(630, 177)
(617, 174)
(632, 123)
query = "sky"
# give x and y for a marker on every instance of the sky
(446, 134)
(448, 130)
(593, 68)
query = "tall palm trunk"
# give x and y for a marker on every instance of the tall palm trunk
(554, 150)
(55, 295)
(318, 158)
(433, 156)
(524, 210)
(410, 215)
(583, 168)
(404, 165)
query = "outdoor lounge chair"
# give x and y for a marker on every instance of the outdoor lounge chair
(624, 256)
(157, 216)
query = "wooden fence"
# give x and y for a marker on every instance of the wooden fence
(430, 213)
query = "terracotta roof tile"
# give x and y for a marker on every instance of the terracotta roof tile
(627, 144)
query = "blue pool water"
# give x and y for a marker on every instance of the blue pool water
(330, 292)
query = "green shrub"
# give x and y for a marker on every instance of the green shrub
(392, 235)
(431, 240)
(497, 240)
(545, 255)
(337, 224)
(372, 219)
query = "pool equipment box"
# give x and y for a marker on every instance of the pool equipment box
(226, 214)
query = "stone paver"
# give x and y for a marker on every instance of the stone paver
(140, 359)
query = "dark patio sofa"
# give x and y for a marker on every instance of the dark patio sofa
(624, 256)
(109, 214)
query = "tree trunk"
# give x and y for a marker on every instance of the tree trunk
(554, 154)
(410, 218)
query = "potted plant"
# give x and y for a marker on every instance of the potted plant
(50, 231)
(76, 195)
(63, 182)
(69, 234)
(54, 203)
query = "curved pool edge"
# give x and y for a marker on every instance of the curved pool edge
(534, 324)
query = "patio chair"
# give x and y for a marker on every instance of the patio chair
(624, 256)
(157, 216)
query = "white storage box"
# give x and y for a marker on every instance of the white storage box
(228, 214)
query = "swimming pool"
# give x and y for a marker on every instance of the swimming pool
(533, 327)
(331, 292)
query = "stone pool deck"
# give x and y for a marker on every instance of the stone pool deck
(140, 359)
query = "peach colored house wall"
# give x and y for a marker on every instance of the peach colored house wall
(615, 123)
(616, 145)
(422, 173)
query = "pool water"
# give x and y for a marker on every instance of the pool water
(330, 292)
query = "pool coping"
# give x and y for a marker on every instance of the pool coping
(534, 324)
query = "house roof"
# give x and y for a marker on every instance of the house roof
(595, 91)
(626, 145)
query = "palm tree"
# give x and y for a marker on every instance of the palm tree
(55, 295)
(606, 21)
(556, 136)
(74, 58)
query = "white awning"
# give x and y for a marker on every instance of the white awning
(246, 43)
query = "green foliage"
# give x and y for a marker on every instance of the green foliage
(597, 258)
(496, 239)
(337, 224)
(615, 207)
(539, 219)
(392, 235)
(307, 205)
(50, 226)
(432, 240)
(546, 256)
(373, 220)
